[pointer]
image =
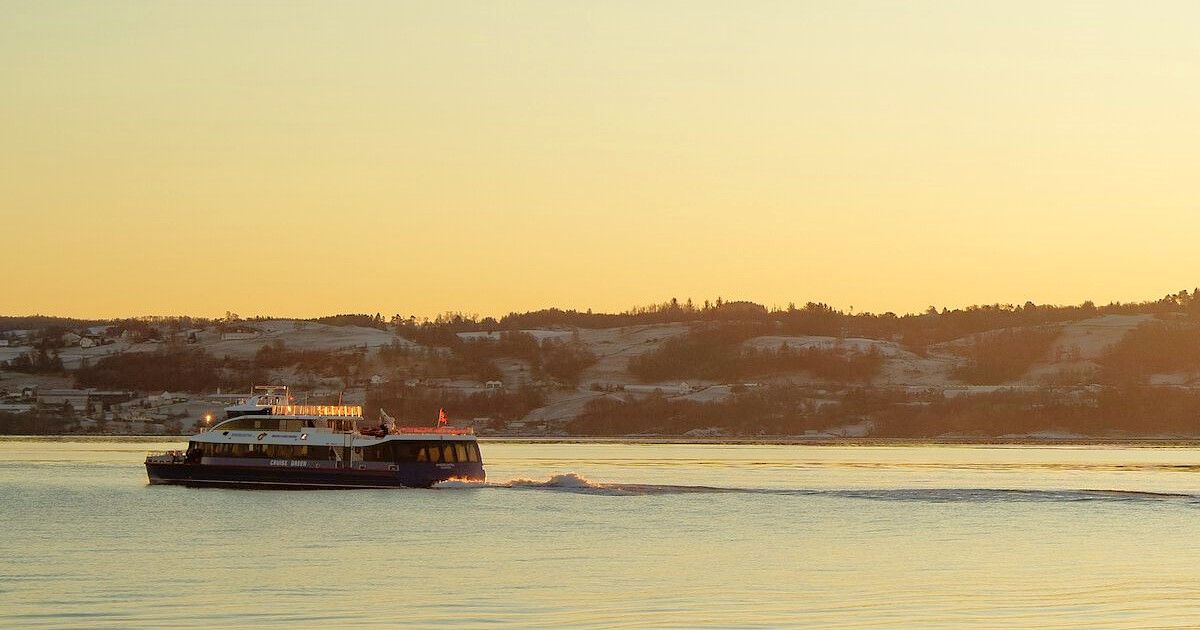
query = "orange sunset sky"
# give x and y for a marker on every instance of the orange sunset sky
(304, 158)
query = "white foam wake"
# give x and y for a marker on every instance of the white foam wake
(571, 481)
(567, 481)
(574, 482)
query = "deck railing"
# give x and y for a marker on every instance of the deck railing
(441, 430)
(340, 411)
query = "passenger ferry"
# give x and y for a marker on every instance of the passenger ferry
(266, 442)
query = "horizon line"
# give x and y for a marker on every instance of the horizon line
(479, 316)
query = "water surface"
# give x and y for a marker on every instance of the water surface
(617, 534)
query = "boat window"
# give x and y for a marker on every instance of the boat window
(448, 452)
(460, 451)
(404, 452)
(278, 451)
(377, 453)
(435, 453)
(472, 452)
(286, 451)
(261, 423)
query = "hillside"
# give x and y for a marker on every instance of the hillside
(731, 369)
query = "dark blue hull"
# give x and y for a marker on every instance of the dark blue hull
(263, 475)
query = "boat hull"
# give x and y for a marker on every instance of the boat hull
(266, 476)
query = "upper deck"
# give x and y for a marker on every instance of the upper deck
(269, 413)
(304, 424)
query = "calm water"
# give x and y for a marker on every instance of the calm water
(618, 535)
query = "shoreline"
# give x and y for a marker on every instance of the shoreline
(1149, 441)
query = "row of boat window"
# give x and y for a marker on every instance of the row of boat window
(392, 451)
(289, 424)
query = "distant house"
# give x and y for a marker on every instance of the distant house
(83, 401)
(77, 398)
(379, 379)
(494, 385)
(166, 398)
(91, 340)
(71, 339)
(3, 343)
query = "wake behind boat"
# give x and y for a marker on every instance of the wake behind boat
(266, 442)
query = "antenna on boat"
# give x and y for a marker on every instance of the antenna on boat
(386, 418)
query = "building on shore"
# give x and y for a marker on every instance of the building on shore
(82, 401)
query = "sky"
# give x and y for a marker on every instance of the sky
(306, 158)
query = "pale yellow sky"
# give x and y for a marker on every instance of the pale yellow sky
(304, 158)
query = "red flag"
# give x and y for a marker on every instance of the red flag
(442, 420)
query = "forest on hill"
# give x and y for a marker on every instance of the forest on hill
(813, 318)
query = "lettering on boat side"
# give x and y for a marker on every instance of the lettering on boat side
(291, 463)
